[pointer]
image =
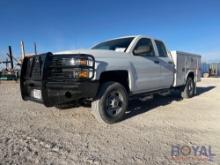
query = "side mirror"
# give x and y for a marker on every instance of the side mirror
(142, 50)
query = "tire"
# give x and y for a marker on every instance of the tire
(189, 89)
(111, 103)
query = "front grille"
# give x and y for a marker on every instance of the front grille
(61, 74)
(55, 71)
(34, 68)
(56, 62)
(56, 74)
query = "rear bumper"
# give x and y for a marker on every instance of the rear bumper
(35, 76)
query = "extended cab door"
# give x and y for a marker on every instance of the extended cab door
(146, 67)
(166, 65)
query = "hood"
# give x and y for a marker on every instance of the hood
(95, 53)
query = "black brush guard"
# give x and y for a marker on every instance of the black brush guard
(55, 90)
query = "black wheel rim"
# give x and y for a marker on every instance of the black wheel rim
(114, 103)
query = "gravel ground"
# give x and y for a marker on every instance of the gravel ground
(33, 134)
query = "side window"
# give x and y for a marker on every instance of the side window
(161, 49)
(144, 47)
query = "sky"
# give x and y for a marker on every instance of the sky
(56, 25)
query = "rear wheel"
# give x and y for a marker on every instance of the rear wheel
(189, 89)
(111, 103)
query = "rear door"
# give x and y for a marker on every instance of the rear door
(147, 68)
(166, 65)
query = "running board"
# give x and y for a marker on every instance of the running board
(149, 95)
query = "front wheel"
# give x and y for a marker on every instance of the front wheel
(111, 103)
(189, 89)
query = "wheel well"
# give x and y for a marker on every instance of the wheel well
(117, 76)
(191, 74)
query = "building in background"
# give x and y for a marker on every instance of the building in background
(210, 69)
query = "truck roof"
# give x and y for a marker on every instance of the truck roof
(135, 36)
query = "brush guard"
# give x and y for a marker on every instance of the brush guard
(55, 88)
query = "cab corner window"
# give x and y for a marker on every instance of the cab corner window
(161, 49)
(144, 47)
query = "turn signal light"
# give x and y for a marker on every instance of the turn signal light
(84, 74)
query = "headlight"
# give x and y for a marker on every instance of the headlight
(74, 61)
(80, 61)
(72, 67)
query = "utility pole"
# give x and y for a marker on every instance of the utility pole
(35, 48)
(6, 64)
(22, 50)
(11, 57)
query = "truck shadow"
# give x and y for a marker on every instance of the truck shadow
(201, 90)
(137, 106)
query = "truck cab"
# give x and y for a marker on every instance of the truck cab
(146, 60)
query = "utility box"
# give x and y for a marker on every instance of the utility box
(184, 62)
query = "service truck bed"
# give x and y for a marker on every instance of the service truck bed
(185, 63)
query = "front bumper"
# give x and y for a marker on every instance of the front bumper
(53, 92)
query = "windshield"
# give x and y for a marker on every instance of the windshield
(116, 45)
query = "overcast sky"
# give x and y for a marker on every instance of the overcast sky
(187, 25)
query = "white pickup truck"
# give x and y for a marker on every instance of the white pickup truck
(108, 74)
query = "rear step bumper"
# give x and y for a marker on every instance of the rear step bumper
(52, 93)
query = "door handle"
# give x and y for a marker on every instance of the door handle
(156, 62)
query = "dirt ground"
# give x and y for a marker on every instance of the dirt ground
(33, 134)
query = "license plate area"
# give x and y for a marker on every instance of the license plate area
(36, 93)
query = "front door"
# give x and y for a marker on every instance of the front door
(146, 66)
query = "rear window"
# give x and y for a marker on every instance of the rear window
(161, 49)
